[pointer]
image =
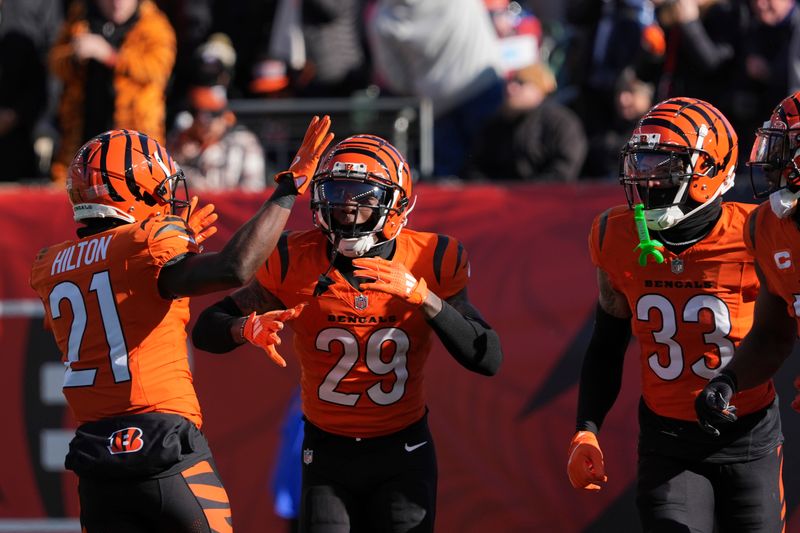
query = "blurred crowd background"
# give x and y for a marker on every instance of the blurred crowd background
(471, 90)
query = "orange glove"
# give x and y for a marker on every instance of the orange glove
(391, 277)
(201, 221)
(585, 466)
(305, 162)
(261, 330)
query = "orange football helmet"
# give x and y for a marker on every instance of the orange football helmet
(366, 171)
(680, 158)
(126, 175)
(775, 155)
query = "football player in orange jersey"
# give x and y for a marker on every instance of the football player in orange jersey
(772, 237)
(115, 301)
(687, 314)
(373, 293)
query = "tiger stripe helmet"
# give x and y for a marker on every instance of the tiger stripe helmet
(124, 174)
(366, 166)
(681, 156)
(775, 157)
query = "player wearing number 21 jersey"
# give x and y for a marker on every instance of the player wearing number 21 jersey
(372, 298)
(687, 313)
(116, 302)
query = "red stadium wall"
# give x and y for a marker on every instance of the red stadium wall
(501, 442)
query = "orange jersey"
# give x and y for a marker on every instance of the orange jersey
(123, 345)
(689, 312)
(771, 240)
(361, 353)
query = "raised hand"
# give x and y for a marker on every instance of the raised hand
(391, 277)
(585, 466)
(262, 330)
(305, 163)
(201, 221)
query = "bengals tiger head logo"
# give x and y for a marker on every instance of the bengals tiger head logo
(128, 440)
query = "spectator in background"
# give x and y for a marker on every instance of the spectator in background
(335, 45)
(703, 41)
(607, 38)
(191, 20)
(532, 137)
(214, 152)
(316, 49)
(249, 24)
(115, 58)
(770, 61)
(632, 99)
(520, 34)
(27, 30)
(214, 62)
(446, 51)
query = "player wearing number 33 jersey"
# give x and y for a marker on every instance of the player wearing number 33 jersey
(116, 300)
(366, 299)
(687, 306)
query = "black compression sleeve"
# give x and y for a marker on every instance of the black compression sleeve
(472, 342)
(212, 331)
(601, 374)
(284, 194)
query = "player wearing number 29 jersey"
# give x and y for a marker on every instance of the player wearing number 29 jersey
(374, 296)
(116, 302)
(362, 353)
(687, 306)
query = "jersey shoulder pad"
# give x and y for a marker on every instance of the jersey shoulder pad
(289, 247)
(605, 228)
(445, 258)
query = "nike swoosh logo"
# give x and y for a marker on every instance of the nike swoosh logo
(414, 447)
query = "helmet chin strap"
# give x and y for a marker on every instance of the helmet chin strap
(783, 202)
(668, 217)
(356, 246)
(663, 218)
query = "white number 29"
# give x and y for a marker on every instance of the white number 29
(372, 358)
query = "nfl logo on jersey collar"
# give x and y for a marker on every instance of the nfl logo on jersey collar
(308, 456)
(676, 265)
(360, 302)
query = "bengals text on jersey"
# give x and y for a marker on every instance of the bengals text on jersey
(689, 312)
(361, 353)
(123, 344)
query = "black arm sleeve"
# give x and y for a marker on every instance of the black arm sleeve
(601, 374)
(471, 341)
(284, 194)
(212, 331)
